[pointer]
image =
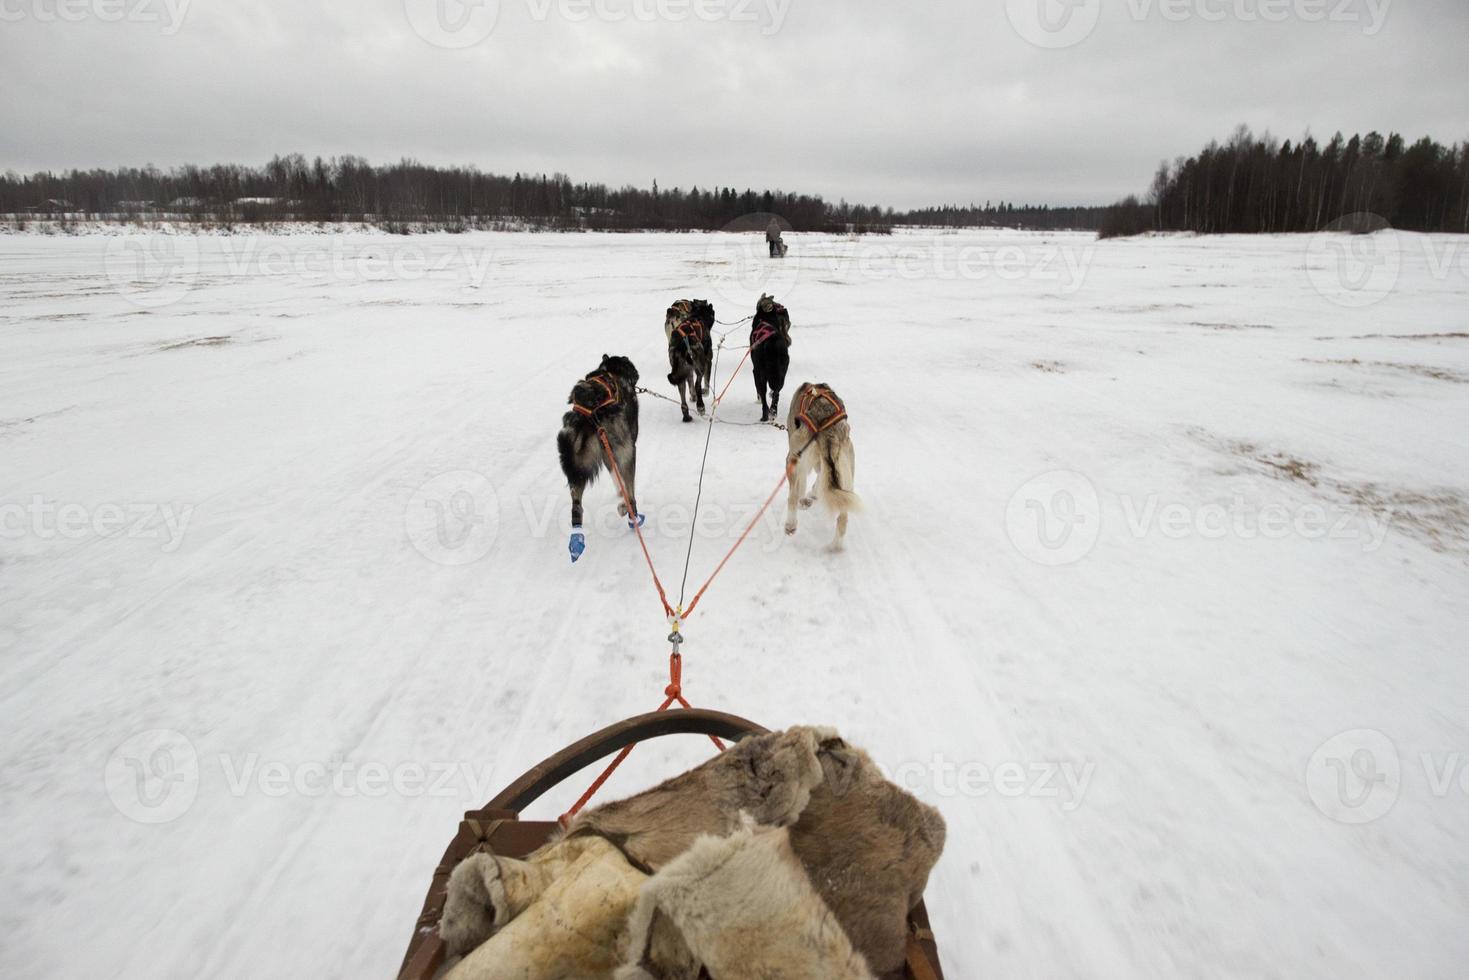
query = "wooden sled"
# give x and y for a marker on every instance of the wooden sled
(497, 827)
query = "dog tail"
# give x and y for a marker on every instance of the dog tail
(571, 444)
(837, 487)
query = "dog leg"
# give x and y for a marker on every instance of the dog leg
(683, 398)
(794, 466)
(839, 542)
(765, 415)
(800, 478)
(578, 543)
(627, 463)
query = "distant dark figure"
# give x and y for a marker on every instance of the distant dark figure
(604, 402)
(772, 239)
(770, 353)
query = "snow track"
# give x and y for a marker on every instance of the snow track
(1127, 737)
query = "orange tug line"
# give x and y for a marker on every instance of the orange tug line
(674, 691)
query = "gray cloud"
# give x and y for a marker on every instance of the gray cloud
(903, 104)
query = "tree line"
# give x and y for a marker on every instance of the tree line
(351, 189)
(1258, 184)
(409, 193)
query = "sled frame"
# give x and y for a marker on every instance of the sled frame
(497, 827)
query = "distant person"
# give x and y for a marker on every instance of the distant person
(772, 239)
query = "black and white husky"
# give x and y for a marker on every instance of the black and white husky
(820, 442)
(605, 402)
(689, 326)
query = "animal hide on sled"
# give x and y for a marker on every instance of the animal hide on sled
(788, 857)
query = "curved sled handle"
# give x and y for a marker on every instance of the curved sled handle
(614, 738)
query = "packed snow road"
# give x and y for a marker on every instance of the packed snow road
(1160, 592)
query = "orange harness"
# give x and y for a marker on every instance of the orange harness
(803, 412)
(691, 331)
(609, 385)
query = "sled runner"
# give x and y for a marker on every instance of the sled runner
(497, 827)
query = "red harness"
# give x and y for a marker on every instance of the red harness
(609, 385)
(803, 411)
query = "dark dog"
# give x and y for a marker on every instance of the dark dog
(702, 311)
(688, 358)
(770, 353)
(691, 356)
(603, 402)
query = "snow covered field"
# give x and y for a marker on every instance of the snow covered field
(1160, 594)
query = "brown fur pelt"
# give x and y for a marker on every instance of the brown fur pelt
(866, 847)
(770, 777)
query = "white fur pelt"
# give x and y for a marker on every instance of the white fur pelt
(742, 907)
(570, 923)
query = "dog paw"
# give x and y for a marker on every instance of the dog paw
(687, 417)
(790, 529)
(577, 545)
(806, 502)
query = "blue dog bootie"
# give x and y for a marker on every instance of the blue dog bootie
(578, 543)
(631, 525)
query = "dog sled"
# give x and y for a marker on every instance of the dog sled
(497, 828)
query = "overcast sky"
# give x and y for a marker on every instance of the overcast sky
(878, 101)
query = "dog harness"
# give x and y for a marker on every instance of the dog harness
(690, 331)
(609, 385)
(809, 399)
